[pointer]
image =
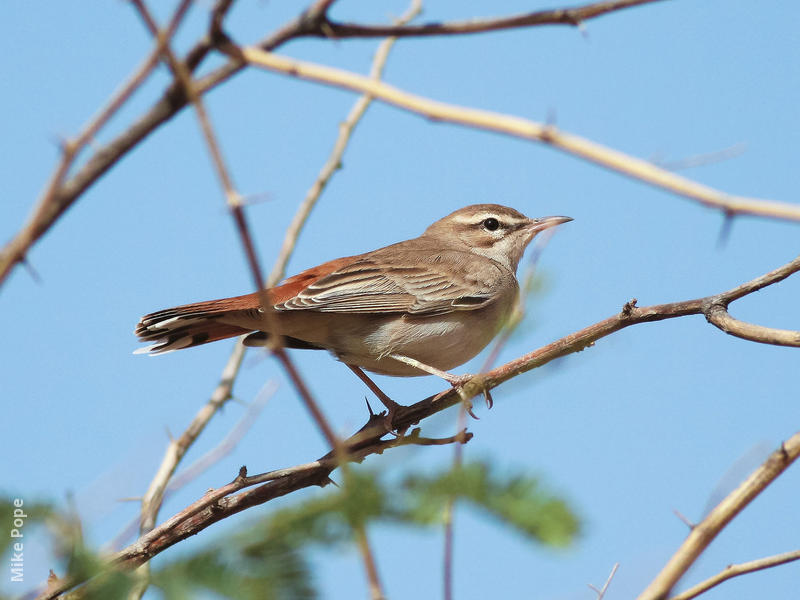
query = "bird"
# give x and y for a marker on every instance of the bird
(417, 307)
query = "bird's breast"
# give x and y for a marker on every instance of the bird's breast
(441, 341)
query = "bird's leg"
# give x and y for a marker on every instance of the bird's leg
(390, 404)
(454, 380)
(457, 381)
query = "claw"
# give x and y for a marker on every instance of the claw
(472, 414)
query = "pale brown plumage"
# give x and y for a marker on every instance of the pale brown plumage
(438, 299)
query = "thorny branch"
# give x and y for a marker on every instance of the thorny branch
(56, 199)
(233, 201)
(586, 149)
(732, 571)
(335, 159)
(704, 532)
(209, 458)
(560, 16)
(154, 496)
(151, 503)
(62, 192)
(221, 503)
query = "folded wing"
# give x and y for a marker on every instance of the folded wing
(371, 286)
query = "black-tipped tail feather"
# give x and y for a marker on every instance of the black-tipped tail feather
(167, 331)
(196, 324)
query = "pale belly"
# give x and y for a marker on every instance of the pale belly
(443, 342)
(440, 341)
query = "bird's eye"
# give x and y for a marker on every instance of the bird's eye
(491, 224)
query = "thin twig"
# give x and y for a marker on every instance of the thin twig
(213, 456)
(184, 78)
(154, 497)
(518, 314)
(341, 454)
(602, 591)
(221, 501)
(574, 16)
(192, 471)
(151, 502)
(233, 200)
(735, 570)
(521, 128)
(215, 505)
(312, 21)
(704, 532)
(449, 514)
(632, 315)
(52, 204)
(335, 159)
(718, 315)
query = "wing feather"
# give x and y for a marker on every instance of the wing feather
(440, 284)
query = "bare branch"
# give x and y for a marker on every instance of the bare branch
(601, 592)
(735, 570)
(335, 159)
(61, 193)
(630, 315)
(183, 76)
(151, 503)
(561, 16)
(53, 202)
(719, 316)
(234, 202)
(312, 22)
(340, 452)
(705, 531)
(219, 504)
(520, 128)
(449, 532)
(196, 468)
(716, 311)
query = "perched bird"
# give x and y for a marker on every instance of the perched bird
(421, 306)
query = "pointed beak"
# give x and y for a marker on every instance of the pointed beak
(542, 223)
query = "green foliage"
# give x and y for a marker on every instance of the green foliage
(80, 562)
(515, 500)
(110, 585)
(331, 518)
(243, 567)
(265, 560)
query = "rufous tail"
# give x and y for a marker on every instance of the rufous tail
(193, 324)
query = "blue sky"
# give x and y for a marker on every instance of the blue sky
(656, 418)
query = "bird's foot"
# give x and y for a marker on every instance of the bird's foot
(392, 407)
(387, 416)
(468, 385)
